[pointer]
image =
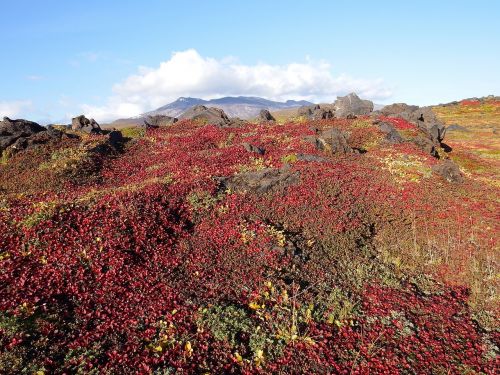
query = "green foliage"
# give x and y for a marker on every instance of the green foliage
(289, 159)
(133, 132)
(43, 211)
(226, 322)
(202, 200)
(4, 158)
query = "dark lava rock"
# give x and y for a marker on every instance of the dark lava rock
(321, 114)
(426, 120)
(18, 135)
(208, 115)
(449, 171)
(82, 123)
(426, 145)
(159, 120)
(398, 108)
(307, 111)
(391, 134)
(260, 182)
(332, 140)
(266, 116)
(315, 112)
(110, 144)
(312, 158)
(21, 128)
(352, 105)
(252, 148)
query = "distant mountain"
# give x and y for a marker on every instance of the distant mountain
(245, 107)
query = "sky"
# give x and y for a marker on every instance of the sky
(113, 59)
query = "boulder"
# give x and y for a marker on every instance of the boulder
(449, 171)
(321, 114)
(307, 111)
(18, 135)
(252, 148)
(266, 116)
(332, 140)
(260, 182)
(156, 121)
(312, 158)
(20, 128)
(391, 134)
(110, 143)
(83, 124)
(352, 105)
(397, 109)
(207, 115)
(315, 112)
(426, 145)
(426, 120)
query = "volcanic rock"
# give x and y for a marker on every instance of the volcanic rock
(211, 115)
(352, 105)
(252, 148)
(18, 135)
(312, 158)
(449, 171)
(321, 114)
(82, 123)
(332, 140)
(266, 116)
(426, 120)
(391, 134)
(398, 109)
(307, 111)
(262, 181)
(315, 112)
(156, 121)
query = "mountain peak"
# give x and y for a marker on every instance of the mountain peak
(245, 107)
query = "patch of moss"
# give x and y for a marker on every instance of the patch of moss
(226, 323)
(133, 132)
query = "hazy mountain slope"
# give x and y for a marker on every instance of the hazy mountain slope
(245, 107)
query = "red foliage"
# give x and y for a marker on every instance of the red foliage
(106, 265)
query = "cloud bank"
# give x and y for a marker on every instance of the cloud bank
(187, 73)
(14, 108)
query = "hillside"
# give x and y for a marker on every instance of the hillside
(353, 246)
(245, 107)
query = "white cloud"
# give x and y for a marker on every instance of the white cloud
(14, 108)
(34, 77)
(187, 73)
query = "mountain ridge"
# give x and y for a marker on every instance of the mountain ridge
(245, 107)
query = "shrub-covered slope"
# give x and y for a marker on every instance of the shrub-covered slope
(254, 249)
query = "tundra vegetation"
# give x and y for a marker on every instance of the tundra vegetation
(312, 246)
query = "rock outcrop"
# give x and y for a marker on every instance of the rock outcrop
(18, 135)
(83, 124)
(391, 134)
(260, 182)
(426, 121)
(449, 171)
(157, 121)
(331, 140)
(398, 109)
(315, 112)
(252, 148)
(351, 105)
(266, 116)
(207, 115)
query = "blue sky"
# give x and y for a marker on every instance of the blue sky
(115, 58)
